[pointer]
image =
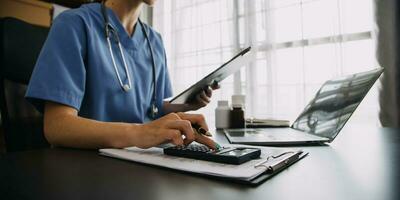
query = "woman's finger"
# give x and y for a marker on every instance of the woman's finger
(208, 91)
(215, 85)
(206, 141)
(195, 119)
(204, 97)
(200, 101)
(185, 128)
(174, 136)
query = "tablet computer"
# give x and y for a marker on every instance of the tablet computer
(228, 68)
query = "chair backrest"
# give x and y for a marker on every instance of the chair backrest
(20, 45)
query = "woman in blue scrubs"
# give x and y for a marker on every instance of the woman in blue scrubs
(83, 94)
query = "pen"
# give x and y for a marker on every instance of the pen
(201, 130)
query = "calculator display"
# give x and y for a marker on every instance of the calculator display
(238, 152)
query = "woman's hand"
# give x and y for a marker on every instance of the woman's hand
(199, 120)
(175, 128)
(201, 100)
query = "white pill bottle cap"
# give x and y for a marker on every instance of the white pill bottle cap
(238, 100)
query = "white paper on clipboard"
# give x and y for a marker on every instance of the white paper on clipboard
(245, 171)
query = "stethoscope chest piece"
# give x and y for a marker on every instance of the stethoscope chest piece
(126, 87)
(153, 111)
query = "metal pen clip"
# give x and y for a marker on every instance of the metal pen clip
(280, 162)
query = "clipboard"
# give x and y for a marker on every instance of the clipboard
(276, 168)
(228, 68)
(251, 173)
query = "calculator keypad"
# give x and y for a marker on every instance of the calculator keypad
(197, 148)
(194, 147)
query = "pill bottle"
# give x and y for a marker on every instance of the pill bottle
(222, 113)
(237, 116)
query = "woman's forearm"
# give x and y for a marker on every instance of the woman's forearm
(62, 127)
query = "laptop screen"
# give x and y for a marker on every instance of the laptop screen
(334, 103)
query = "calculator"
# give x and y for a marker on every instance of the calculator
(228, 155)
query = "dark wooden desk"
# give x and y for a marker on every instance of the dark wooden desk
(362, 163)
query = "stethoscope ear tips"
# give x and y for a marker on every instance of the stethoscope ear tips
(126, 87)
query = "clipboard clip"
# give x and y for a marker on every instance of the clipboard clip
(280, 163)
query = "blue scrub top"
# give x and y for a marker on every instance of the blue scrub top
(75, 68)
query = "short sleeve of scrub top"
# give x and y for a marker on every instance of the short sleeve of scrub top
(75, 68)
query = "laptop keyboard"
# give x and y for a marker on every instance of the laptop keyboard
(274, 135)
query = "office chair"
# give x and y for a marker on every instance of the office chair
(20, 45)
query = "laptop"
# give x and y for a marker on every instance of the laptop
(321, 120)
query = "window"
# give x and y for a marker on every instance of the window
(300, 44)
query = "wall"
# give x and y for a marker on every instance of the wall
(32, 11)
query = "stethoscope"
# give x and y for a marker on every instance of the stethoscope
(111, 32)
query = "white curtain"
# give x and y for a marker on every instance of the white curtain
(387, 16)
(299, 43)
(198, 37)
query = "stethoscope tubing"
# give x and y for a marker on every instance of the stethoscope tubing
(110, 32)
(124, 87)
